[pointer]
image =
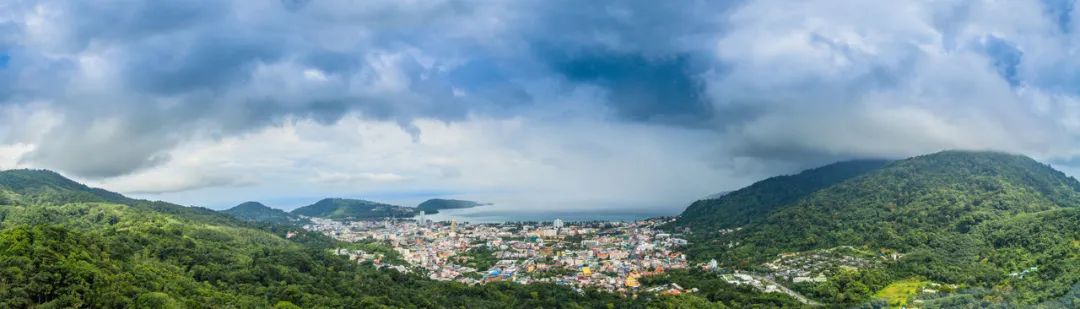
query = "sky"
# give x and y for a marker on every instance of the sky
(538, 105)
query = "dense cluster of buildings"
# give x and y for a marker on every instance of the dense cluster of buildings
(606, 255)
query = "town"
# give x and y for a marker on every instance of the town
(606, 255)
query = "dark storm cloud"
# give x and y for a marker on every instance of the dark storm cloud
(648, 56)
(769, 80)
(190, 67)
(665, 90)
(95, 155)
(169, 70)
(651, 28)
(214, 62)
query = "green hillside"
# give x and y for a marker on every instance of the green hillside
(257, 212)
(340, 208)
(436, 204)
(967, 218)
(738, 208)
(41, 186)
(949, 192)
(140, 254)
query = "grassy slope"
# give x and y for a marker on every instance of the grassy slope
(898, 293)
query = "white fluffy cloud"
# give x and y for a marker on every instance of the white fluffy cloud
(554, 165)
(897, 79)
(543, 104)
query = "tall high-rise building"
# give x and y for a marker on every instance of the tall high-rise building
(557, 223)
(453, 226)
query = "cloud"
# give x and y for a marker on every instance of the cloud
(10, 154)
(338, 177)
(159, 183)
(508, 161)
(666, 100)
(892, 81)
(151, 75)
(664, 90)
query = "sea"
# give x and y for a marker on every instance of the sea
(483, 215)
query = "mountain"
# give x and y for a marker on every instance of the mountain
(949, 192)
(436, 204)
(25, 186)
(340, 208)
(257, 212)
(44, 187)
(975, 219)
(740, 207)
(66, 245)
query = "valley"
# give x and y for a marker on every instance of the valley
(936, 231)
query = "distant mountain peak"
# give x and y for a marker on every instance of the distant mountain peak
(251, 204)
(344, 208)
(37, 177)
(753, 202)
(38, 186)
(255, 211)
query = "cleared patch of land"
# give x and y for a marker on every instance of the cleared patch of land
(898, 293)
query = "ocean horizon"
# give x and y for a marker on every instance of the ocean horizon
(481, 215)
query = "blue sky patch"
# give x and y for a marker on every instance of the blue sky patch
(1005, 57)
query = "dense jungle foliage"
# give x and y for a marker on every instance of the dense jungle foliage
(67, 245)
(977, 220)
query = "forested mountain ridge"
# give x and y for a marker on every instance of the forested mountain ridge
(944, 213)
(26, 186)
(754, 202)
(55, 253)
(44, 187)
(948, 191)
(257, 212)
(341, 208)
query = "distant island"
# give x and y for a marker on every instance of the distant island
(433, 206)
(341, 208)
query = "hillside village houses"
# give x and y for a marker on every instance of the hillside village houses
(606, 255)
